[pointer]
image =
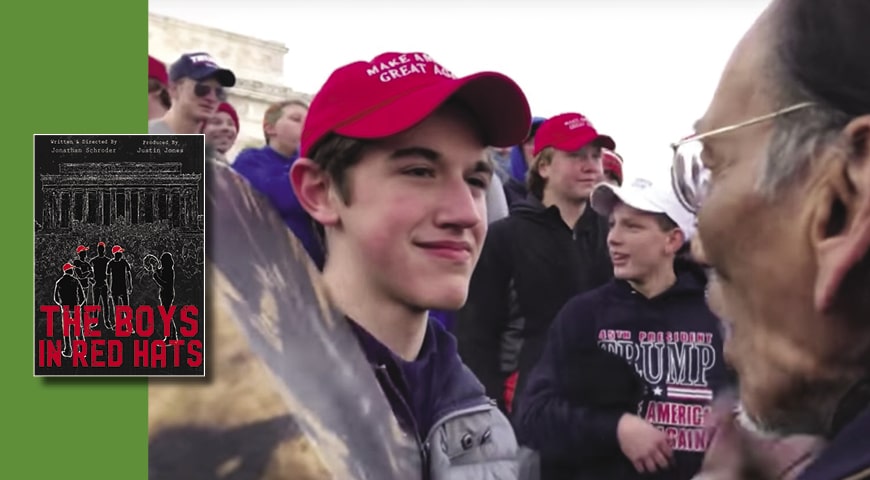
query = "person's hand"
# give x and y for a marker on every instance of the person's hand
(645, 446)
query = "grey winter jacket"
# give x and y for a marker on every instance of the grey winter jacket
(475, 443)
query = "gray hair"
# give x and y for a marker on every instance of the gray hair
(818, 55)
(797, 139)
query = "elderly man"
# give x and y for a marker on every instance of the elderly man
(779, 173)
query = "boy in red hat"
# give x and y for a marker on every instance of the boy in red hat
(68, 294)
(120, 277)
(158, 97)
(393, 169)
(549, 249)
(612, 164)
(221, 130)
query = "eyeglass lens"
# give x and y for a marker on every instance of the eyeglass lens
(689, 175)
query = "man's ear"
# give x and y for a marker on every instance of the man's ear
(841, 221)
(313, 189)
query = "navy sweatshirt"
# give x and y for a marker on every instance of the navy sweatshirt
(577, 393)
(430, 387)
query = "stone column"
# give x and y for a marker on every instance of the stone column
(46, 209)
(72, 207)
(182, 207)
(194, 197)
(71, 201)
(47, 204)
(113, 205)
(194, 201)
(86, 193)
(99, 212)
(140, 210)
(128, 213)
(182, 202)
(167, 196)
(155, 204)
(176, 202)
(56, 207)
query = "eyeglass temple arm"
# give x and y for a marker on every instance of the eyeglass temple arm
(729, 128)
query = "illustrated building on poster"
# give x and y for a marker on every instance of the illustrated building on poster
(107, 194)
(118, 255)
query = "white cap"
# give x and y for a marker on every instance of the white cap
(645, 195)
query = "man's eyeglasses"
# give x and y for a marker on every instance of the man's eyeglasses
(690, 179)
(202, 90)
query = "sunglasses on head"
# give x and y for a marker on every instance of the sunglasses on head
(202, 90)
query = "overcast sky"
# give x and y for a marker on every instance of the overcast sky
(641, 70)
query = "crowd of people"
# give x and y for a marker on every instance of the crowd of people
(535, 311)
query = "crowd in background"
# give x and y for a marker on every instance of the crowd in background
(586, 320)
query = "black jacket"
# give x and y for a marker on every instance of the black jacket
(531, 264)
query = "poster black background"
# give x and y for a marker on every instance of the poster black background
(55, 246)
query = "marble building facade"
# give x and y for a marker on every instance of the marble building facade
(258, 65)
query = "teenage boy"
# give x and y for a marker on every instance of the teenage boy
(590, 422)
(393, 169)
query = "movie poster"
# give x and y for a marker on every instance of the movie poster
(118, 255)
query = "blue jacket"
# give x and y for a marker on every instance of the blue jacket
(269, 173)
(519, 166)
(576, 393)
(848, 453)
(515, 187)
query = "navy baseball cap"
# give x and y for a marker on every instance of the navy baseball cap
(199, 66)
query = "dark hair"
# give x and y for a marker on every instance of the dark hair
(154, 85)
(822, 48)
(335, 154)
(818, 55)
(535, 183)
(665, 223)
(609, 174)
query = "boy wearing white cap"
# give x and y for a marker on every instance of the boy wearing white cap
(625, 423)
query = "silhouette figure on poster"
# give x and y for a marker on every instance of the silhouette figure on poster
(120, 278)
(100, 264)
(164, 275)
(83, 271)
(68, 294)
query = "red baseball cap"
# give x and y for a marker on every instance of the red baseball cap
(569, 132)
(157, 70)
(116, 249)
(612, 162)
(229, 110)
(68, 266)
(101, 244)
(81, 248)
(396, 91)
